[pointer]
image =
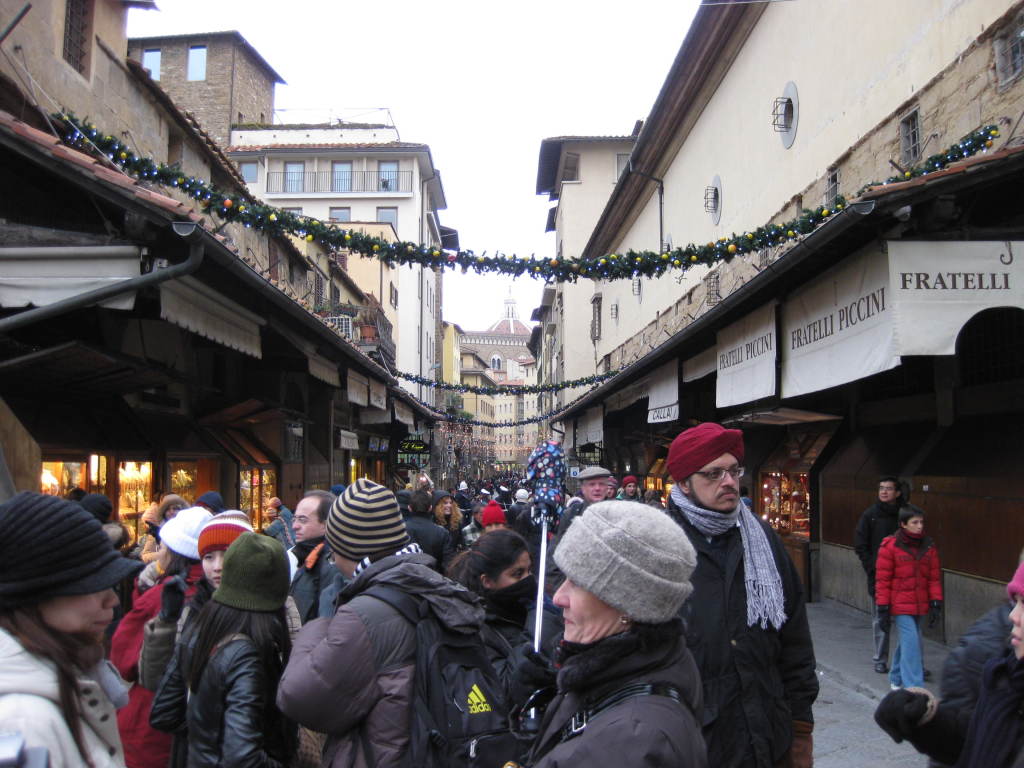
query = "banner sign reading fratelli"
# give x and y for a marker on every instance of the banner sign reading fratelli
(938, 286)
(747, 351)
(840, 327)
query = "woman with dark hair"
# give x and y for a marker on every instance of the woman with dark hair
(222, 683)
(498, 568)
(56, 599)
(179, 557)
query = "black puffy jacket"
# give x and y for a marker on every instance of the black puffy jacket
(231, 720)
(432, 538)
(756, 681)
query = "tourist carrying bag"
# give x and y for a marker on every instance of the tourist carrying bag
(459, 713)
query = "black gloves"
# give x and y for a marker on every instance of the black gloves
(900, 712)
(533, 670)
(172, 600)
(934, 611)
(884, 619)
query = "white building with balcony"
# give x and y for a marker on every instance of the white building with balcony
(356, 174)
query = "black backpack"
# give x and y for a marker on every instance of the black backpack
(459, 713)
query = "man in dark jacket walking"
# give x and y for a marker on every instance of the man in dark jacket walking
(351, 676)
(420, 525)
(314, 569)
(746, 623)
(879, 520)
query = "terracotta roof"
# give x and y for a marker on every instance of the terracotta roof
(508, 326)
(237, 148)
(960, 166)
(46, 147)
(187, 121)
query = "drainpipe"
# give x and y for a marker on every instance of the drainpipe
(661, 202)
(185, 229)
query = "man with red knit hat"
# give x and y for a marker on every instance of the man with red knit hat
(746, 623)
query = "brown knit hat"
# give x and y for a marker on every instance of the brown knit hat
(365, 520)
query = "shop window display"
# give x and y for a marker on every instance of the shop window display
(135, 483)
(256, 487)
(785, 502)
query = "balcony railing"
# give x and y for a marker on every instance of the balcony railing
(294, 182)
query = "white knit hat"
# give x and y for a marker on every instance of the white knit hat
(181, 532)
(632, 557)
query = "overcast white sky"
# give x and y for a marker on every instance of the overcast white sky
(481, 82)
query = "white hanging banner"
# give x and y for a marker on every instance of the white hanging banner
(839, 328)
(700, 365)
(591, 426)
(663, 397)
(938, 286)
(378, 394)
(747, 351)
(357, 389)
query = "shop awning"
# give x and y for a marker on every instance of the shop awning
(358, 389)
(746, 355)
(404, 414)
(839, 328)
(243, 448)
(590, 427)
(374, 416)
(345, 440)
(190, 304)
(378, 394)
(937, 287)
(781, 417)
(76, 371)
(323, 369)
(663, 394)
(41, 275)
(700, 365)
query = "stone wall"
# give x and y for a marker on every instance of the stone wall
(960, 99)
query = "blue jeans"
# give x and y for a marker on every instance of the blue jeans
(907, 668)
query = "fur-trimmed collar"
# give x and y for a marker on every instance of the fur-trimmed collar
(587, 666)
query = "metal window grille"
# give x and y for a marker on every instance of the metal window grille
(782, 114)
(711, 199)
(1009, 49)
(595, 322)
(76, 33)
(711, 285)
(613, 311)
(318, 289)
(832, 187)
(764, 257)
(637, 286)
(910, 138)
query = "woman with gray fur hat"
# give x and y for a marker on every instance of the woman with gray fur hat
(628, 688)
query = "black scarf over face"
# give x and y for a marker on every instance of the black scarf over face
(512, 602)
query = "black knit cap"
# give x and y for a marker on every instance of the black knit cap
(51, 547)
(98, 505)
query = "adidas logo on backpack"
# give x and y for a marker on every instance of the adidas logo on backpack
(477, 701)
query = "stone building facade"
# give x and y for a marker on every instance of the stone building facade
(218, 77)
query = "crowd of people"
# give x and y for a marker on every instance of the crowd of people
(365, 627)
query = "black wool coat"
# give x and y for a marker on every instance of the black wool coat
(639, 731)
(756, 680)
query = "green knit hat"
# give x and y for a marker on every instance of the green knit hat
(255, 576)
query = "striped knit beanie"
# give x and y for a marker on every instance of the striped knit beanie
(220, 531)
(365, 520)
